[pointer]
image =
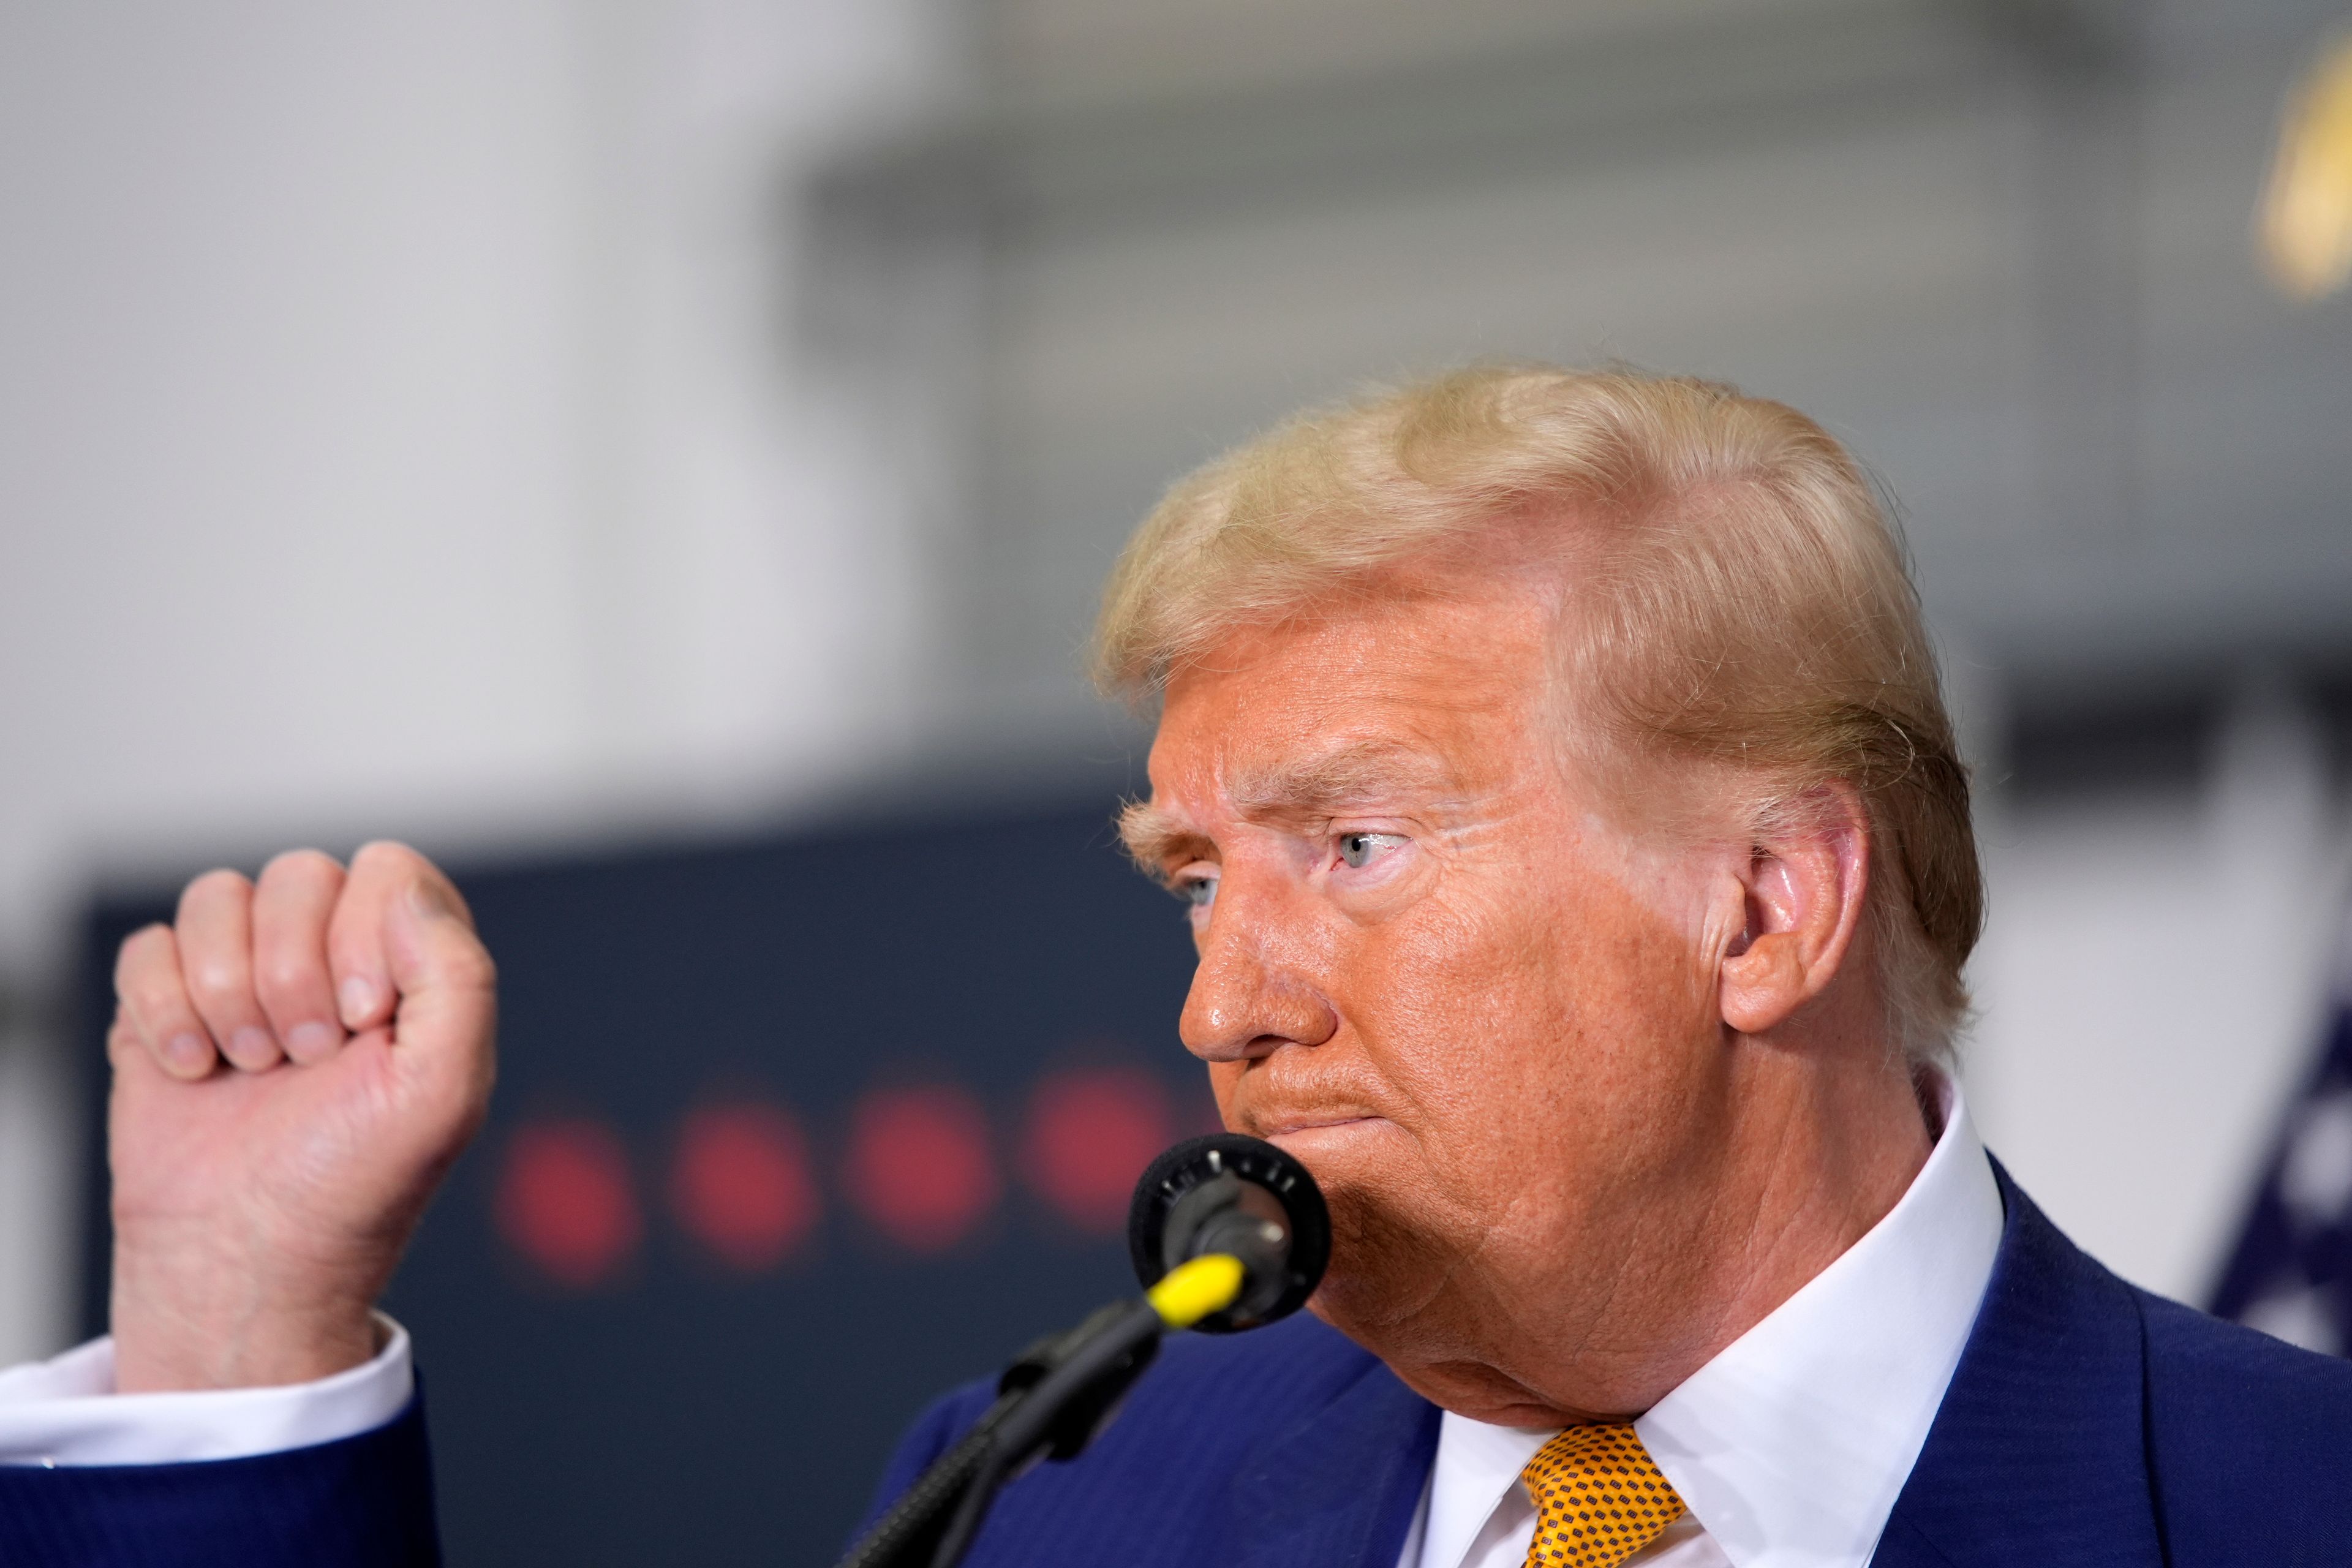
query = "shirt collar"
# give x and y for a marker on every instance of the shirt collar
(1790, 1445)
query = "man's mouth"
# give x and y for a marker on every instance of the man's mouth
(1309, 1129)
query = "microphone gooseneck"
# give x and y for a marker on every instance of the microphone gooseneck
(1227, 1232)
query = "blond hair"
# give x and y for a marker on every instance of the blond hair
(1743, 596)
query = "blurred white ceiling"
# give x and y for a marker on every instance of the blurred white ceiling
(2003, 247)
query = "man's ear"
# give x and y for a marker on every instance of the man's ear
(1803, 891)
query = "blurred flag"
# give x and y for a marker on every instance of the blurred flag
(2292, 1273)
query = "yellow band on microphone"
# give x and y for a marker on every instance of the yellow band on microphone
(1192, 1290)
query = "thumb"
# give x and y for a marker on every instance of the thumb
(429, 941)
(448, 987)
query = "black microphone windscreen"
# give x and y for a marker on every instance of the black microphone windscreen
(1229, 1193)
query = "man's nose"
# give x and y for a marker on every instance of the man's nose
(1243, 1002)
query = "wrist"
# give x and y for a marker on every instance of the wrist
(195, 1325)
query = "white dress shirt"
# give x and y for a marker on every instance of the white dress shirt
(1790, 1446)
(64, 1411)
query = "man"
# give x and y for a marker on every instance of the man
(1580, 864)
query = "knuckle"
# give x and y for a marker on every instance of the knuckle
(139, 950)
(300, 865)
(381, 854)
(217, 981)
(472, 968)
(218, 883)
(286, 976)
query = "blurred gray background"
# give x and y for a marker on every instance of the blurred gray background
(516, 425)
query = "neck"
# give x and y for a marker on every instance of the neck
(1821, 1151)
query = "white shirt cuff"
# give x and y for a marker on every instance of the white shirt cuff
(64, 1411)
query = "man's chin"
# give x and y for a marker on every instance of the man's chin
(1383, 1310)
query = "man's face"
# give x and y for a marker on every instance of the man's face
(1433, 968)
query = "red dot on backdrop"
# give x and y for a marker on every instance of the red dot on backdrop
(1091, 1131)
(742, 1183)
(919, 1166)
(564, 1199)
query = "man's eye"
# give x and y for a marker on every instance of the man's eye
(1359, 849)
(1198, 892)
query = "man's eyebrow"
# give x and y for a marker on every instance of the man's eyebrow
(1349, 777)
(1156, 838)
(1313, 788)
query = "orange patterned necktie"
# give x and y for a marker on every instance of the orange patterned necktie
(1599, 1500)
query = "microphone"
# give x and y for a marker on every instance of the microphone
(1226, 1233)
(1243, 1198)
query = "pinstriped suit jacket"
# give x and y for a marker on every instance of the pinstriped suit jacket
(2088, 1421)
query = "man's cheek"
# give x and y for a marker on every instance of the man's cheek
(1390, 1248)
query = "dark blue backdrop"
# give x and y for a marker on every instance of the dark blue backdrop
(651, 1401)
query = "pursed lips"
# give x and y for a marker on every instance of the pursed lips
(1277, 1129)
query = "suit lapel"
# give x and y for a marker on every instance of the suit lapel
(2038, 1452)
(1338, 1487)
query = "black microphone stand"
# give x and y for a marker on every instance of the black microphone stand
(1050, 1402)
(1234, 1202)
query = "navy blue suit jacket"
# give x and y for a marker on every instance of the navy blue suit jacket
(2088, 1421)
(364, 1503)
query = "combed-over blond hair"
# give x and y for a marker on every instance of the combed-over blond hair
(1739, 593)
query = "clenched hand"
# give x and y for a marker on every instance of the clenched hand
(297, 1061)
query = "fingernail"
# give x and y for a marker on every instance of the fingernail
(357, 998)
(309, 1042)
(249, 1044)
(184, 1053)
(429, 901)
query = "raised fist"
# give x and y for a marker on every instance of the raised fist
(297, 1061)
